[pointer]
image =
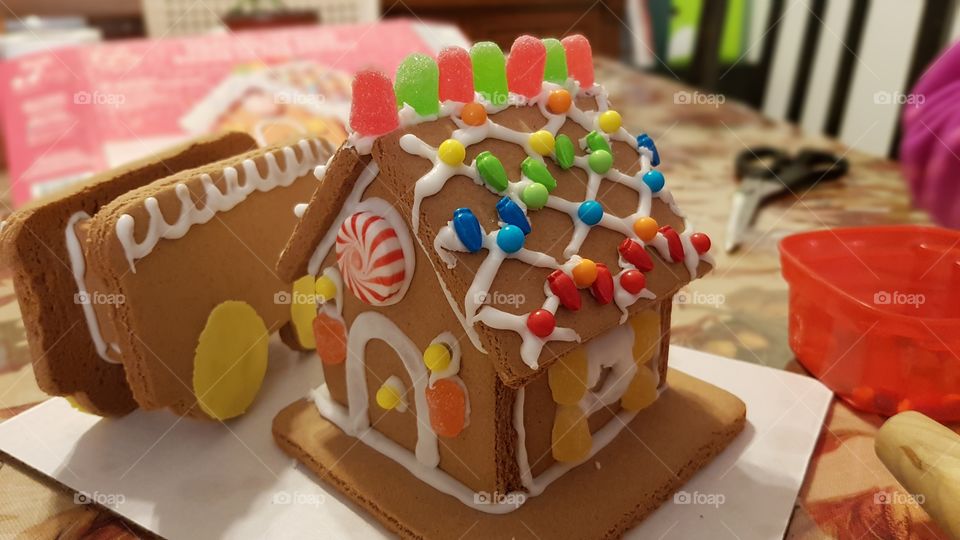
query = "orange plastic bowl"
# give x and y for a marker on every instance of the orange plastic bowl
(875, 315)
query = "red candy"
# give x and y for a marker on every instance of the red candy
(456, 75)
(579, 59)
(701, 242)
(374, 109)
(565, 289)
(528, 57)
(602, 288)
(673, 243)
(633, 281)
(448, 406)
(633, 253)
(541, 322)
(331, 338)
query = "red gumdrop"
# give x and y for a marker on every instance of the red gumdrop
(374, 107)
(633, 253)
(447, 405)
(331, 338)
(528, 58)
(563, 286)
(701, 242)
(602, 288)
(673, 243)
(456, 75)
(633, 281)
(579, 59)
(541, 322)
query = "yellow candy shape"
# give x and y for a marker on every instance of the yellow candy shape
(542, 142)
(302, 311)
(76, 405)
(437, 357)
(571, 439)
(568, 377)
(610, 121)
(646, 335)
(388, 397)
(230, 360)
(642, 390)
(452, 152)
(325, 289)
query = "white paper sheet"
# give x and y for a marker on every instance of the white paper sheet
(183, 478)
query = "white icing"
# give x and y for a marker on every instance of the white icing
(396, 384)
(447, 339)
(349, 207)
(78, 265)
(299, 209)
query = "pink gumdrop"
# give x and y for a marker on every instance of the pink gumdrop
(374, 107)
(528, 57)
(456, 75)
(579, 59)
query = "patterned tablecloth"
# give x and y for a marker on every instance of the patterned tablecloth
(739, 311)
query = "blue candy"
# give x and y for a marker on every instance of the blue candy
(590, 212)
(644, 141)
(511, 213)
(654, 180)
(510, 238)
(468, 229)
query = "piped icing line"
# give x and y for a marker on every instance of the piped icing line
(78, 266)
(447, 339)
(349, 207)
(215, 200)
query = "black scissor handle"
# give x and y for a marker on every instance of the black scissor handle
(760, 162)
(822, 165)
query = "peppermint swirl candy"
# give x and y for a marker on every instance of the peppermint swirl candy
(370, 258)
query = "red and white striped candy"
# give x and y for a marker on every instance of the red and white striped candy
(370, 258)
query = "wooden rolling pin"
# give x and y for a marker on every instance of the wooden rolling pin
(925, 457)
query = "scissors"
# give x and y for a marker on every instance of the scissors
(765, 172)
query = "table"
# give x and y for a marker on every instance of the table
(738, 311)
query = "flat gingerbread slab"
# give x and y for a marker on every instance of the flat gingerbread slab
(665, 445)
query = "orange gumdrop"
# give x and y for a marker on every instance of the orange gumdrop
(571, 439)
(473, 114)
(448, 407)
(331, 336)
(559, 101)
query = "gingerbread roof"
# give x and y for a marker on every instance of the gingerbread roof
(544, 219)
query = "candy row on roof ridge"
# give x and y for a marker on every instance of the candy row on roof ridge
(456, 75)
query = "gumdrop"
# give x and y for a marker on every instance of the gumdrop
(417, 84)
(568, 378)
(646, 335)
(373, 111)
(571, 434)
(555, 70)
(642, 390)
(331, 336)
(489, 72)
(456, 75)
(525, 66)
(447, 404)
(579, 59)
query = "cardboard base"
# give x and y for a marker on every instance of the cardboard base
(662, 448)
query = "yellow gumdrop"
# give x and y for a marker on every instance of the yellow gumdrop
(452, 152)
(388, 397)
(230, 360)
(610, 121)
(642, 390)
(303, 309)
(437, 357)
(325, 288)
(646, 335)
(542, 142)
(568, 377)
(571, 434)
(76, 405)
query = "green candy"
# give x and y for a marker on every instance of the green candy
(491, 170)
(600, 161)
(563, 152)
(595, 141)
(556, 68)
(535, 196)
(489, 72)
(417, 84)
(537, 171)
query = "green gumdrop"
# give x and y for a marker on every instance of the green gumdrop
(491, 170)
(556, 68)
(534, 196)
(600, 161)
(595, 141)
(417, 84)
(538, 172)
(563, 152)
(489, 72)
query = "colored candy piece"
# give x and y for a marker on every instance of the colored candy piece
(510, 238)
(535, 170)
(654, 180)
(633, 281)
(646, 335)
(331, 337)
(642, 390)
(417, 84)
(511, 213)
(646, 228)
(473, 114)
(563, 152)
(633, 253)
(489, 72)
(541, 322)
(555, 69)
(324, 289)
(559, 100)
(525, 66)
(595, 141)
(447, 405)
(644, 141)
(610, 121)
(390, 397)
(535, 196)
(701, 242)
(542, 142)
(571, 439)
(602, 287)
(456, 75)
(373, 110)
(584, 273)
(579, 59)
(437, 357)
(371, 258)
(674, 245)
(302, 310)
(568, 377)
(451, 152)
(590, 212)
(72, 401)
(600, 161)
(230, 360)
(468, 229)
(566, 290)
(492, 171)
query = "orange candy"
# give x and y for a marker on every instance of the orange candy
(559, 101)
(331, 338)
(646, 228)
(473, 114)
(584, 273)
(642, 391)
(568, 377)
(570, 439)
(448, 407)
